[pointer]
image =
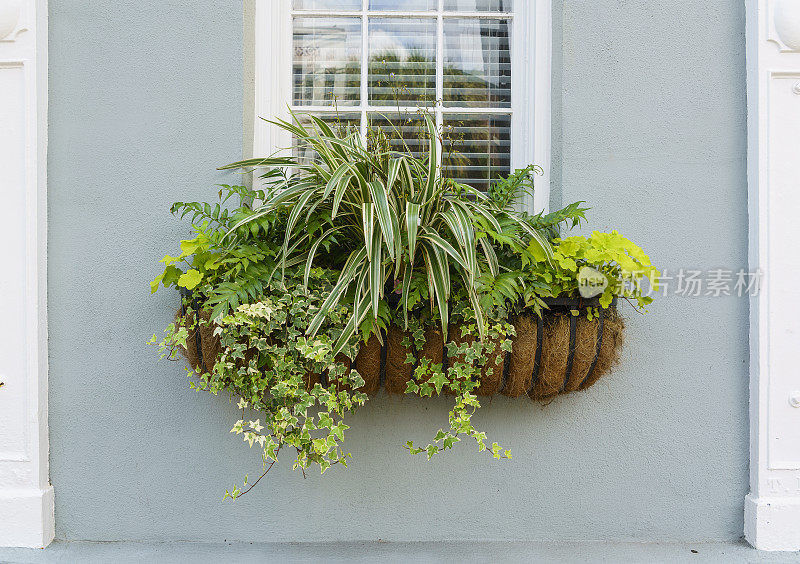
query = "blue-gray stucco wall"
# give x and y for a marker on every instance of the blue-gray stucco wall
(649, 127)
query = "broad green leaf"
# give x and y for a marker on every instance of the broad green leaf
(190, 279)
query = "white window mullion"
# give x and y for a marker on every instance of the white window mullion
(439, 102)
(373, 108)
(364, 68)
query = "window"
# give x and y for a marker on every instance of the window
(481, 67)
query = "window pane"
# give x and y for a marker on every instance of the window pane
(403, 5)
(402, 55)
(477, 63)
(478, 5)
(327, 4)
(342, 124)
(477, 149)
(327, 61)
(405, 132)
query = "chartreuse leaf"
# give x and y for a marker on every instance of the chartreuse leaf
(190, 280)
(168, 278)
(536, 251)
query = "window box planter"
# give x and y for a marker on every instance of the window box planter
(560, 352)
(366, 238)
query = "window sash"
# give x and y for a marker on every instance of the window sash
(530, 98)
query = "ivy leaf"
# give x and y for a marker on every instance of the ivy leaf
(432, 449)
(339, 430)
(320, 445)
(496, 450)
(325, 420)
(439, 380)
(190, 279)
(426, 390)
(271, 451)
(450, 441)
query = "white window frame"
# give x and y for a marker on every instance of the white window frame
(531, 50)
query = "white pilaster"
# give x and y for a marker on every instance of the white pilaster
(26, 497)
(772, 509)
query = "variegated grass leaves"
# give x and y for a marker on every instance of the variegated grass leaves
(388, 214)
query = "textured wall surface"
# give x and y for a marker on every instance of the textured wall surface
(649, 127)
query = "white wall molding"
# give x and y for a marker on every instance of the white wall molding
(10, 15)
(26, 497)
(782, 19)
(772, 509)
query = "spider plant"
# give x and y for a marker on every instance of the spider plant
(388, 214)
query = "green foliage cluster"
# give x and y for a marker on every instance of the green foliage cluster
(462, 377)
(333, 249)
(265, 361)
(391, 214)
(624, 264)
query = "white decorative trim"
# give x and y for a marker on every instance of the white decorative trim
(772, 510)
(771, 523)
(26, 518)
(531, 83)
(783, 21)
(10, 11)
(26, 497)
